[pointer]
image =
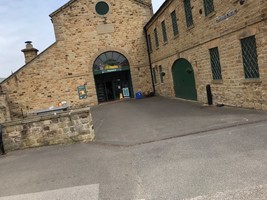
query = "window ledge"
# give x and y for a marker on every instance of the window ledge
(252, 80)
(210, 15)
(190, 27)
(176, 36)
(217, 81)
(165, 43)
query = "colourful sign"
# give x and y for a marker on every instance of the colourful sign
(126, 92)
(82, 92)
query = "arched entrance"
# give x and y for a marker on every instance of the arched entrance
(112, 76)
(184, 80)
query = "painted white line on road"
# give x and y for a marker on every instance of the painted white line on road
(86, 192)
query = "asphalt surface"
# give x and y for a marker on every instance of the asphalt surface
(153, 119)
(219, 154)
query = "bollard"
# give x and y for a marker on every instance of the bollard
(209, 94)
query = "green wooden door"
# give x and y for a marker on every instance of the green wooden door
(184, 80)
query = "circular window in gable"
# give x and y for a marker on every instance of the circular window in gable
(102, 8)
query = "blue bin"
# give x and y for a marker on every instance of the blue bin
(138, 95)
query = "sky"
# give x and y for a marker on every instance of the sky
(28, 20)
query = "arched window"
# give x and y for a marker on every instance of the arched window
(110, 61)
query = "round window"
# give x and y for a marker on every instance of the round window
(102, 8)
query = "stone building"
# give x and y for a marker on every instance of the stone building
(99, 55)
(196, 45)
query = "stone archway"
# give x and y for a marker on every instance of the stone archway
(184, 80)
(112, 76)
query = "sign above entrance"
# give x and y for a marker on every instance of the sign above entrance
(104, 71)
(110, 61)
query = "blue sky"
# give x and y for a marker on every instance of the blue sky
(23, 20)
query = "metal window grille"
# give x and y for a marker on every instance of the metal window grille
(156, 37)
(149, 43)
(208, 7)
(250, 57)
(161, 75)
(174, 23)
(215, 64)
(164, 31)
(154, 75)
(188, 13)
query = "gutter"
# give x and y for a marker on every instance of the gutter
(150, 63)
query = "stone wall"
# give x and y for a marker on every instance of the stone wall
(81, 36)
(193, 44)
(61, 128)
(4, 109)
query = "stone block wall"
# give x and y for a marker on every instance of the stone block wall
(193, 44)
(4, 109)
(50, 129)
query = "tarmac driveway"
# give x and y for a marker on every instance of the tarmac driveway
(132, 122)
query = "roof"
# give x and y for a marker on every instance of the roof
(61, 8)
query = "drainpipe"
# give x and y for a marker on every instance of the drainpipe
(150, 64)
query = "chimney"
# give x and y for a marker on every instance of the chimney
(29, 52)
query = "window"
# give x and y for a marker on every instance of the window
(164, 31)
(250, 57)
(215, 64)
(161, 74)
(188, 13)
(110, 61)
(149, 43)
(174, 23)
(102, 8)
(156, 37)
(155, 75)
(208, 7)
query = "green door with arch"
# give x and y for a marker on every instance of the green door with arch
(184, 80)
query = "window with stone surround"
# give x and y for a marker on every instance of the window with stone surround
(164, 32)
(215, 64)
(250, 57)
(156, 37)
(208, 7)
(174, 23)
(188, 13)
(149, 43)
(155, 75)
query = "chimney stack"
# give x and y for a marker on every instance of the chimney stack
(29, 52)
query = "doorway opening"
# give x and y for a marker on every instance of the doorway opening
(112, 77)
(184, 80)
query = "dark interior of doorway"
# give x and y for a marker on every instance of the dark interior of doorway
(109, 85)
